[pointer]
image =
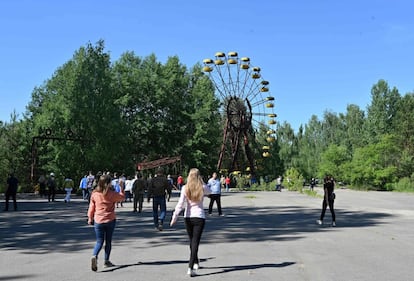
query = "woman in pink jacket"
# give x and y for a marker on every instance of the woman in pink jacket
(101, 214)
(191, 199)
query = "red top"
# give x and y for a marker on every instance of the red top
(180, 180)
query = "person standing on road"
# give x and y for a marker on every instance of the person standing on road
(101, 214)
(68, 186)
(42, 185)
(215, 196)
(180, 182)
(279, 183)
(83, 185)
(227, 182)
(11, 191)
(312, 184)
(191, 199)
(51, 186)
(138, 190)
(157, 189)
(328, 199)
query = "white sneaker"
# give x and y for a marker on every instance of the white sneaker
(319, 222)
(333, 223)
(196, 266)
(190, 272)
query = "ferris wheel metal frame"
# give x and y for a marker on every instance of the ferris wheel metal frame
(246, 103)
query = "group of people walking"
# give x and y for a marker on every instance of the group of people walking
(103, 199)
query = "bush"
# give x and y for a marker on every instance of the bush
(405, 184)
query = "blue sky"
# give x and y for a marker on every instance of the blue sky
(317, 55)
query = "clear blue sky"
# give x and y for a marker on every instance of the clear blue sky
(317, 55)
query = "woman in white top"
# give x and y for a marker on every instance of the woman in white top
(191, 199)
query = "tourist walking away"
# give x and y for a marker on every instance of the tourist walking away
(227, 182)
(191, 200)
(89, 183)
(42, 185)
(83, 185)
(312, 184)
(215, 196)
(129, 182)
(157, 189)
(279, 183)
(172, 186)
(11, 191)
(51, 186)
(68, 186)
(138, 190)
(328, 199)
(180, 182)
(101, 214)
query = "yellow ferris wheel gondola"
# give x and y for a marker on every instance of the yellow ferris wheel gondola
(271, 139)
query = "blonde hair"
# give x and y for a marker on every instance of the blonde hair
(104, 184)
(194, 187)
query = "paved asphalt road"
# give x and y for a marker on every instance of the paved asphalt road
(263, 236)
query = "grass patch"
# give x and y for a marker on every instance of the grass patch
(310, 192)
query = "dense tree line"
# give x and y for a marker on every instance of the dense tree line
(370, 149)
(94, 114)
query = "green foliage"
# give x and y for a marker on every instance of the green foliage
(293, 180)
(405, 184)
(136, 108)
(374, 164)
(333, 160)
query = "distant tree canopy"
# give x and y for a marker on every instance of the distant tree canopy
(103, 115)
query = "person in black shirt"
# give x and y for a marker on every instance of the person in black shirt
(138, 190)
(328, 199)
(12, 184)
(157, 189)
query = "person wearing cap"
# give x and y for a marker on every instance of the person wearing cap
(51, 185)
(157, 189)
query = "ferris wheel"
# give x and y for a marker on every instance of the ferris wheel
(246, 105)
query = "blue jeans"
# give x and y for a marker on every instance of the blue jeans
(85, 194)
(159, 201)
(103, 232)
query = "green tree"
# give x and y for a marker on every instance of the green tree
(354, 120)
(333, 160)
(204, 134)
(375, 164)
(381, 111)
(404, 125)
(78, 103)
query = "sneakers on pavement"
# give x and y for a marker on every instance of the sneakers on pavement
(94, 263)
(108, 264)
(319, 222)
(333, 223)
(196, 266)
(190, 272)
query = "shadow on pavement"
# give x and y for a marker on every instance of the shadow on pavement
(42, 227)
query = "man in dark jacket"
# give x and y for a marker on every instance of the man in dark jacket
(138, 190)
(12, 184)
(157, 189)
